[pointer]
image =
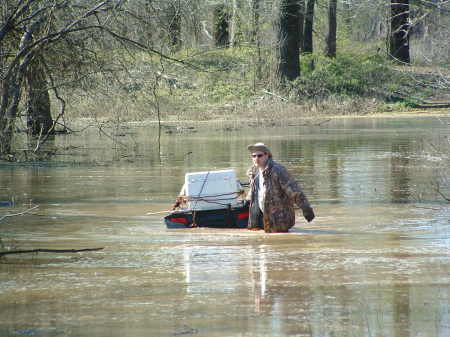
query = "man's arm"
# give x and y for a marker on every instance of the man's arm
(295, 193)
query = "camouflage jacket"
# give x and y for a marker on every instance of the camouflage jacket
(282, 192)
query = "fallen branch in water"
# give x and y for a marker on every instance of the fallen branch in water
(442, 195)
(308, 123)
(42, 250)
(161, 212)
(432, 208)
(17, 214)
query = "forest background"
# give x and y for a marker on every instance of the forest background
(174, 60)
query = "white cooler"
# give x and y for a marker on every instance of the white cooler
(211, 190)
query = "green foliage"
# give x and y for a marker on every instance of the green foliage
(346, 75)
(226, 77)
(226, 91)
(226, 59)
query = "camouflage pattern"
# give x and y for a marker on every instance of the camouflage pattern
(282, 193)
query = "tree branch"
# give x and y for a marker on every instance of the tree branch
(17, 214)
(43, 250)
(144, 47)
(15, 13)
(442, 195)
(61, 113)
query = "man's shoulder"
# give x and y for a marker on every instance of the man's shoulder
(277, 167)
(280, 171)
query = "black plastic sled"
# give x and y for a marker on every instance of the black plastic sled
(219, 218)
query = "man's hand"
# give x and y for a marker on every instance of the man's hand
(308, 213)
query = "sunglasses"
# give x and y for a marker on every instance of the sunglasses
(259, 155)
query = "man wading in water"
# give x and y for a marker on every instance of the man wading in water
(273, 193)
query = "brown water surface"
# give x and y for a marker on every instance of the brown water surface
(375, 261)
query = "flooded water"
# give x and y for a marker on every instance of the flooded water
(375, 261)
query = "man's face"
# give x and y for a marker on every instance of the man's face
(259, 158)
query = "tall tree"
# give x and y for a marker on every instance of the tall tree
(330, 46)
(64, 34)
(288, 41)
(174, 18)
(235, 29)
(255, 36)
(308, 28)
(347, 9)
(221, 22)
(301, 23)
(399, 36)
(39, 118)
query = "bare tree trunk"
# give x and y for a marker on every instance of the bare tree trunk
(6, 132)
(347, 9)
(308, 28)
(39, 118)
(174, 26)
(235, 23)
(256, 38)
(12, 81)
(11, 87)
(399, 35)
(221, 26)
(301, 23)
(288, 28)
(330, 47)
(256, 4)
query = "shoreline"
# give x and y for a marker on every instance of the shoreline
(398, 114)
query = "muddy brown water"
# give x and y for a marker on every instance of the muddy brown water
(375, 261)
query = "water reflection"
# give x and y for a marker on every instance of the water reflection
(373, 263)
(288, 287)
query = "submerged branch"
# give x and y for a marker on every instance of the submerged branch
(43, 250)
(443, 195)
(17, 214)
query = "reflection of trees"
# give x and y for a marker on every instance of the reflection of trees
(442, 175)
(278, 288)
(400, 187)
(402, 308)
(298, 157)
(333, 172)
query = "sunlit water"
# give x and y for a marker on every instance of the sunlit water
(375, 261)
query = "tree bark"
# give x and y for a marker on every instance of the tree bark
(288, 29)
(301, 23)
(221, 26)
(399, 36)
(348, 15)
(235, 23)
(330, 47)
(256, 4)
(308, 28)
(174, 26)
(11, 89)
(39, 119)
(256, 39)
